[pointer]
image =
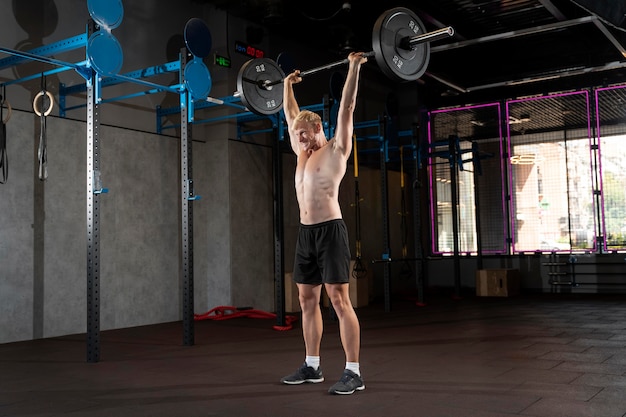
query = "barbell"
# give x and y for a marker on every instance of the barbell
(400, 46)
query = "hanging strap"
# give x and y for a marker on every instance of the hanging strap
(4, 157)
(406, 270)
(359, 270)
(403, 212)
(357, 198)
(43, 112)
(42, 151)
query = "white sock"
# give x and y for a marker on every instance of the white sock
(313, 361)
(354, 367)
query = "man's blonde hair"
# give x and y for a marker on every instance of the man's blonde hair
(308, 116)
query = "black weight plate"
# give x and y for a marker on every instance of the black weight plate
(398, 63)
(198, 37)
(251, 80)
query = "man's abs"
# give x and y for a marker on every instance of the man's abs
(317, 188)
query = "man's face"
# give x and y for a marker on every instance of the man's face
(306, 135)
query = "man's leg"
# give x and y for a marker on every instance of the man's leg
(349, 328)
(350, 332)
(312, 325)
(312, 328)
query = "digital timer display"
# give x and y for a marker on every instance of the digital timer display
(249, 50)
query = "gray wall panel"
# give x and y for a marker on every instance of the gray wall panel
(16, 232)
(64, 231)
(140, 228)
(252, 248)
(139, 231)
(212, 218)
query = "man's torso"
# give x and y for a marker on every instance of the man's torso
(317, 180)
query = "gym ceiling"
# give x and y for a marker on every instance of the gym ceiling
(500, 48)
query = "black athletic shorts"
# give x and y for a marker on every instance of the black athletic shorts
(322, 253)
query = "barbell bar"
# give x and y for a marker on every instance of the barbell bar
(408, 43)
(401, 47)
(332, 65)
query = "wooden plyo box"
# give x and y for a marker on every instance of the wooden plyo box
(497, 282)
(292, 304)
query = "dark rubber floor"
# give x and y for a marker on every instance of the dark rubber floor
(540, 355)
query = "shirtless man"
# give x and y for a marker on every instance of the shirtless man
(322, 249)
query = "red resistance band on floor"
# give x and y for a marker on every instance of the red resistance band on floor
(230, 312)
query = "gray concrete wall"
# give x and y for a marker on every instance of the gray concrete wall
(212, 217)
(43, 229)
(17, 289)
(43, 262)
(252, 226)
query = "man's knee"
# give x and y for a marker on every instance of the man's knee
(340, 299)
(309, 296)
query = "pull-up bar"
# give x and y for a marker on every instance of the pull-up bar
(40, 58)
(65, 45)
(44, 74)
(81, 68)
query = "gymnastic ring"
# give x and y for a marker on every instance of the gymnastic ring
(9, 109)
(41, 94)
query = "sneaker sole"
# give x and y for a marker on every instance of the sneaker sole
(312, 381)
(361, 388)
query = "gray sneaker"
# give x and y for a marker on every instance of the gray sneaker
(348, 383)
(304, 374)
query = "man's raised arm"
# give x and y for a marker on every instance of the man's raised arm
(290, 107)
(345, 116)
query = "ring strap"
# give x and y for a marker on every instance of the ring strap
(4, 157)
(42, 151)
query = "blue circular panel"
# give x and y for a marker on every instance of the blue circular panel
(198, 37)
(106, 13)
(198, 79)
(105, 53)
